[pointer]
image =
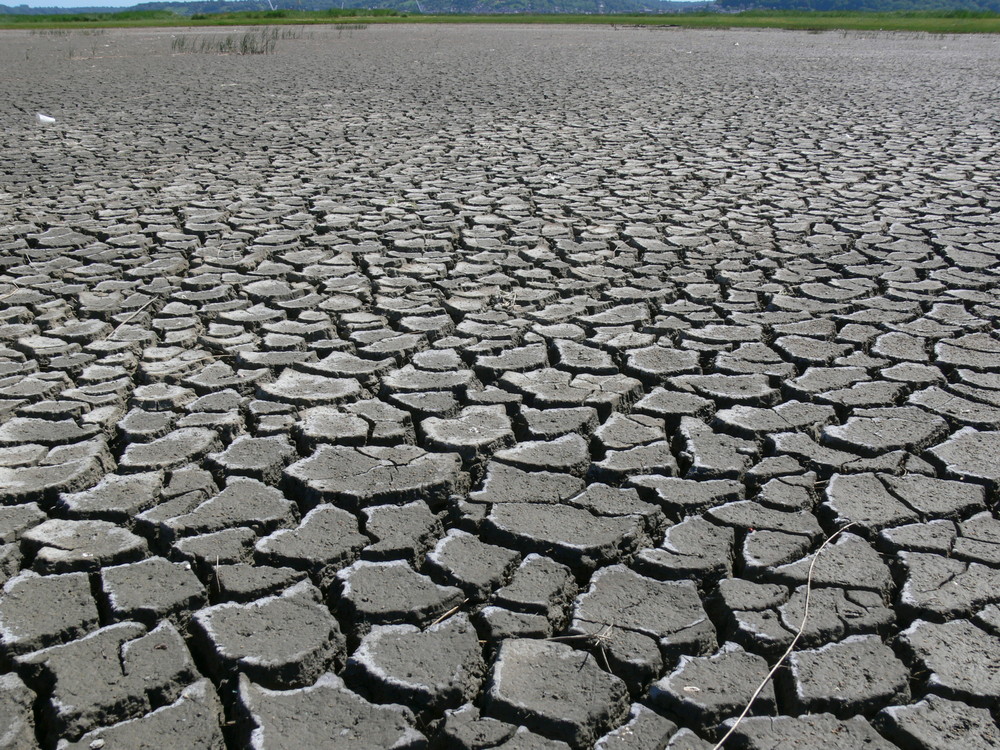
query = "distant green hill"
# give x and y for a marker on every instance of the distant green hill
(587, 7)
(959, 8)
(437, 6)
(199, 7)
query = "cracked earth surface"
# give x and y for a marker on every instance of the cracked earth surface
(495, 387)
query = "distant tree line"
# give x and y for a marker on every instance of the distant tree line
(951, 7)
(353, 7)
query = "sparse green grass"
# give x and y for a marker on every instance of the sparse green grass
(932, 22)
(260, 42)
(56, 22)
(944, 22)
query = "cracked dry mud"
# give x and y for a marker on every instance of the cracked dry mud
(495, 387)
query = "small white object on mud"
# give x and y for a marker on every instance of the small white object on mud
(44, 119)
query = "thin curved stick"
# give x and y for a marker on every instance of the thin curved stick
(791, 646)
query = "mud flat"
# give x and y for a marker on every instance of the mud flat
(495, 387)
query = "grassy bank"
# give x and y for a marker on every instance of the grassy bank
(929, 22)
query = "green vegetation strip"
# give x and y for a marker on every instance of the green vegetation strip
(943, 22)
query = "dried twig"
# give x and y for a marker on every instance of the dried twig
(17, 287)
(603, 635)
(133, 316)
(449, 613)
(507, 300)
(12, 292)
(593, 640)
(791, 646)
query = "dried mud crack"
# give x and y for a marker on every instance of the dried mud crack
(496, 387)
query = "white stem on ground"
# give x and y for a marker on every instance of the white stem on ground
(791, 646)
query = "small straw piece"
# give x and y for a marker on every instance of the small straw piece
(449, 613)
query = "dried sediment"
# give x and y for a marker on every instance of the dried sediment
(496, 387)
